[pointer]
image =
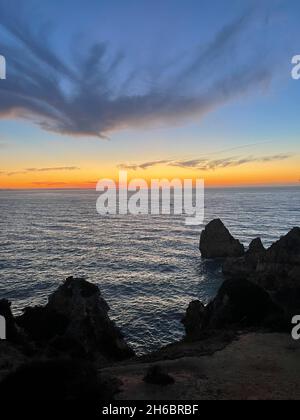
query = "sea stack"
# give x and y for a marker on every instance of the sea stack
(217, 242)
(76, 320)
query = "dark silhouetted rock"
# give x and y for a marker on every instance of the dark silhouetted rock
(53, 380)
(64, 345)
(217, 242)
(75, 323)
(11, 357)
(238, 304)
(42, 324)
(280, 268)
(289, 300)
(156, 375)
(273, 269)
(286, 250)
(244, 266)
(256, 247)
(193, 320)
(242, 303)
(86, 312)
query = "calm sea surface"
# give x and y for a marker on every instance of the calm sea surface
(147, 267)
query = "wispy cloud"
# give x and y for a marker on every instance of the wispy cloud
(64, 184)
(30, 170)
(60, 168)
(204, 164)
(97, 103)
(145, 165)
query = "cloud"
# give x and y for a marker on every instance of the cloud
(60, 168)
(144, 165)
(213, 164)
(92, 99)
(55, 169)
(204, 164)
(63, 184)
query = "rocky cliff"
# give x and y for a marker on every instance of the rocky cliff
(238, 346)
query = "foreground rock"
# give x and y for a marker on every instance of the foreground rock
(217, 242)
(53, 352)
(262, 287)
(64, 343)
(156, 375)
(275, 268)
(238, 304)
(52, 380)
(194, 319)
(76, 321)
(280, 266)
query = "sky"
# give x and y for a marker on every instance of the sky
(160, 88)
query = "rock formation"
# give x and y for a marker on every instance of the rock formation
(63, 344)
(244, 266)
(82, 305)
(194, 319)
(238, 304)
(157, 375)
(275, 268)
(256, 247)
(217, 242)
(76, 320)
(262, 287)
(52, 380)
(280, 267)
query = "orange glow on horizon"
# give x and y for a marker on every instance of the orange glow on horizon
(252, 174)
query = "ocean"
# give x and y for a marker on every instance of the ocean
(148, 268)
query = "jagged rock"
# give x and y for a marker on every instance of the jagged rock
(193, 320)
(280, 266)
(241, 302)
(11, 357)
(289, 300)
(236, 268)
(216, 241)
(72, 330)
(244, 266)
(42, 324)
(286, 250)
(274, 269)
(82, 305)
(156, 375)
(75, 322)
(256, 247)
(238, 304)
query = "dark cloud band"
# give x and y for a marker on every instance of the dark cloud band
(87, 99)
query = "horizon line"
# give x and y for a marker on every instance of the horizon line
(294, 185)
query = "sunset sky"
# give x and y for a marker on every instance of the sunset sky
(162, 88)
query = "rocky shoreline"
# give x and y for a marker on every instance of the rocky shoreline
(76, 352)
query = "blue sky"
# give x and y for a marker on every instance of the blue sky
(96, 83)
